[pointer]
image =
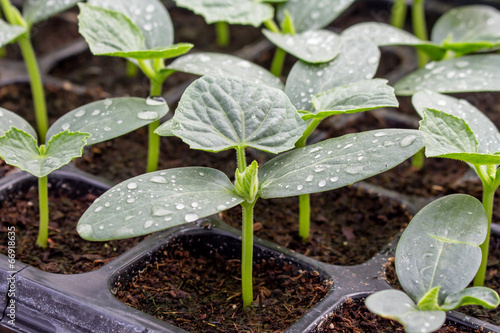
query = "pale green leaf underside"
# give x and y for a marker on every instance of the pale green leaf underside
(482, 296)
(217, 113)
(10, 119)
(440, 246)
(396, 305)
(20, 149)
(156, 201)
(358, 60)
(355, 97)
(464, 74)
(150, 16)
(337, 162)
(110, 118)
(9, 32)
(486, 133)
(207, 63)
(35, 11)
(312, 14)
(248, 12)
(168, 52)
(315, 46)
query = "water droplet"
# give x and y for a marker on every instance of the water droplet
(179, 206)
(95, 112)
(354, 169)
(322, 183)
(380, 134)
(405, 142)
(155, 100)
(147, 26)
(107, 102)
(107, 128)
(190, 217)
(148, 224)
(130, 200)
(462, 64)
(194, 204)
(160, 211)
(147, 115)
(79, 113)
(349, 145)
(132, 185)
(334, 179)
(158, 179)
(98, 209)
(221, 207)
(101, 227)
(65, 126)
(150, 8)
(201, 174)
(243, 64)
(360, 158)
(315, 149)
(300, 187)
(309, 178)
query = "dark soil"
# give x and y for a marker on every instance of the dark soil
(67, 252)
(354, 317)
(203, 293)
(348, 225)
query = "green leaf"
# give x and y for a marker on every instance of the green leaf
(247, 12)
(247, 182)
(313, 14)
(9, 32)
(10, 119)
(358, 60)
(384, 34)
(482, 296)
(159, 53)
(468, 29)
(396, 305)
(429, 302)
(354, 97)
(156, 201)
(207, 63)
(35, 11)
(216, 113)
(486, 133)
(20, 149)
(314, 46)
(110, 118)
(440, 246)
(337, 162)
(150, 16)
(464, 74)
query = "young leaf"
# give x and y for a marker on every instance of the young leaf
(358, 60)
(9, 119)
(314, 46)
(156, 201)
(337, 162)
(217, 113)
(464, 74)
(207, 63)
(111, 117)
(482, 296)
(429, 302)
(355, 97)
(35, 11)
(20, 149)
(440, 247)
(9, 32)
(396, 305)
(313, 14)
(247, 182)
(247, 12)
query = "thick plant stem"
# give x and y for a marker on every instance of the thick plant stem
(222, 34)
(278, 61)
(420, 28)
(43, 204)
(304, 216)
(398, 14)
(247, 253)
(488, 195)
(153, 138)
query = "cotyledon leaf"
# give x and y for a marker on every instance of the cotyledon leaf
(111, 117)
(9, 32)
(440, 246)
(35, 11)
(483, 296)
(217, 113)
(10, 119)
(208, 63)
(156, 201)
(337, 162)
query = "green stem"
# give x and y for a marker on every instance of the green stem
(241, 159)
(310, 128)
(398, 14)
(420, 28)
(223, 36)
(304, 216)
(247, 253)
(417, 161)
(43, 203)
(153, 138)
(271, 25)
(488, 195)
(132, 70)
(278, 62)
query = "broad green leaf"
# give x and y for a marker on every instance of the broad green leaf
(35, 11)
(248, 12)
(440, 246)
(20, 149)
(486, 133)
(159, 53)
(150, 16)
(464, 74)
(467, 29)
(312, 14)
(216, 113)
(314, 46)
(396, 305)
(207, 63)
(165, 129)
(156, 201)
(10, 119)
(9, 32)
(358, 60)
(354, 97)
(110, 118)
(384, 34)
(337, 162)
(482, 296)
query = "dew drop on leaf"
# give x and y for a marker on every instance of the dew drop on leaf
(147, 115)
(132, 185)
(148, 224)
(158, 179)
(179, 206)
(405, 142)
(107, 102)
(160, 211)
(322, 183)
(190, 217)
(334, 179)
(65, 126)
(155, 100)
(79, 113)
(300, 187)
